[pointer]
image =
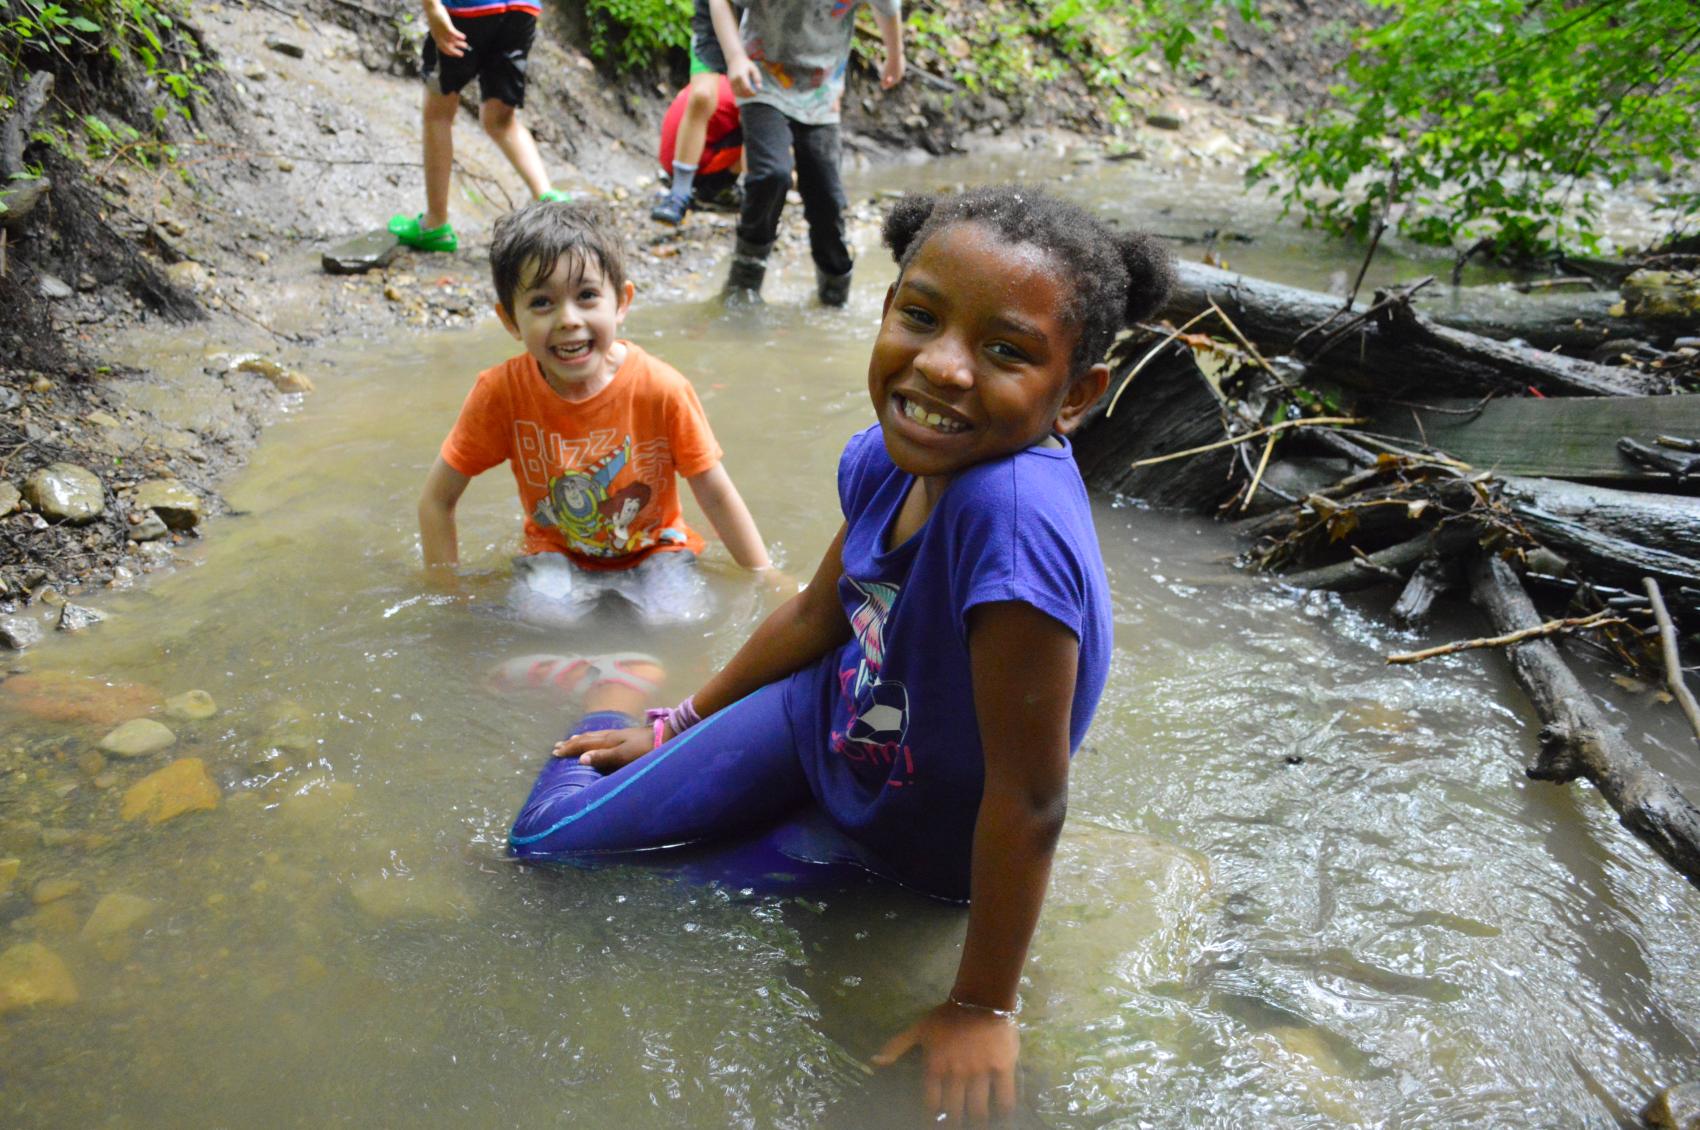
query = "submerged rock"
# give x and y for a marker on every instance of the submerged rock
(191, 706)
(65, 492)
(392, 896)
(9, 873)
(58, 696)
(76, 617)
(117, 913)
(175, 504)
(283, 379)
(138, 738)
(19, 632)
(52, 890)
(183, 786)
(32, 974)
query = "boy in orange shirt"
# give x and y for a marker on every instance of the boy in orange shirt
(595, 430)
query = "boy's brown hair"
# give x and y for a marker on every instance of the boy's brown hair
(529, 243)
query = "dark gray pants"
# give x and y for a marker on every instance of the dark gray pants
(770, 140)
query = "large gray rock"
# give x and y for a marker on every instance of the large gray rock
(177, 505)
(65, 492)
(75, 617)
(19, 632)
(369, 252)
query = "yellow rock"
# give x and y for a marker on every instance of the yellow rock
(183, 786)
(54, 918)
(116, 913)
(52, 890)
(8, 873)
(32, 974)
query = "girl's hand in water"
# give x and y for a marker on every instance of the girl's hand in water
(968, 1057)
(608, 750)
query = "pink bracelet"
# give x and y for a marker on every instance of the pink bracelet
(658, 716)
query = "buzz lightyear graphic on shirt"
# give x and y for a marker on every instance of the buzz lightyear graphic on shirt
(879, 712)
(594, 520)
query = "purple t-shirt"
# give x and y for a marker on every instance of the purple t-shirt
(895, 757)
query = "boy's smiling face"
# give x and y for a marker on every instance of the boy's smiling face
(568, 320)
(974, 353)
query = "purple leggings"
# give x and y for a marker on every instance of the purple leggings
(733, 777)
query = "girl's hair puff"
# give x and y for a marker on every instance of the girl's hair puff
(1115, 279)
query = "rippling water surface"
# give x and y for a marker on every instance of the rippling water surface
(1298, 888)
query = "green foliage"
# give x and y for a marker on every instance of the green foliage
(636, 34)
(1507, 119)
(142, 34)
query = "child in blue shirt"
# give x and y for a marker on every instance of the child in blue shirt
(925, 692)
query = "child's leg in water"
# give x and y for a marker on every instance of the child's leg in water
(735, 772)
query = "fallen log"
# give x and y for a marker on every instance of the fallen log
(20, 193)
(1614, 536)
(1577, 322)
(1394, 353)
(1169, 408)
(1575, 739)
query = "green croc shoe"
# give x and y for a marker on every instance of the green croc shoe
(554, 195)
(407, 230)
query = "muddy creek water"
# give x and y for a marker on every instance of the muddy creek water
(1297, 888)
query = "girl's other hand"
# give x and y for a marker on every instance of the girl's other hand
(608, 750)
(968, 1058)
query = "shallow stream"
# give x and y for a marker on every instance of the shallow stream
(1298, 888)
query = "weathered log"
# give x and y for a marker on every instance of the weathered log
(20, 199)
(1393, 354)
(1576, 739)
(1577, 322)
(1615, 536)
(1169, 407)
(1366, 571)
(1428, 580)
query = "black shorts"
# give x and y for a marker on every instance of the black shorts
(704, 45)
(496, 50)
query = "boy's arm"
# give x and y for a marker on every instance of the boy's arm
(891, 35)
(740, 69)
(451, 41)
(438, 541)
(797, 633)
(1023, 664)
(724, 506)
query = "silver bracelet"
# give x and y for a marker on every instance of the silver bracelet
(1001, 1013)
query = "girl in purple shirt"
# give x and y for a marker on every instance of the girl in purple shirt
(924, 693)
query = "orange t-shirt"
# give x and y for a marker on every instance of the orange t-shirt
(596, 477)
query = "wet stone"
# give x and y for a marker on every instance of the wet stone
(10, 497)
(183, 786)
(54, 289)
(285, 47)
(60, 918)
(138, 738)
(151, 528)
(75, 617)
(20, 835)
(9, 873)
(175, 504)
(19, 632)
(369, 252)
(191, 706)
(30, 975)
(117, 913)
(65, 492)
(52, 890)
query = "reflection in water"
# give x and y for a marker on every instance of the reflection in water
(1298, 888)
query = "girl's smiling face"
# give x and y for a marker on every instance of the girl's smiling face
(973, 357)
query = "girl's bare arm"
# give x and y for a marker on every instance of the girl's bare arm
(795, 634)
(1024, 665)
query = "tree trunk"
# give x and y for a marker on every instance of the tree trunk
(1576, 739)
(1394, 353)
